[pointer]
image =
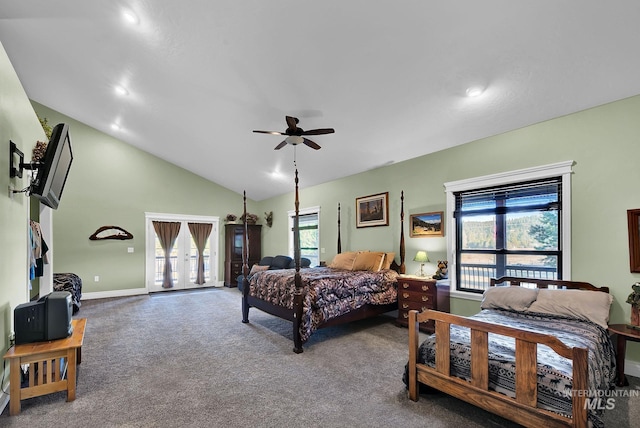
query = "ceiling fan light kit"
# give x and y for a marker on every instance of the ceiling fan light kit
(295, 134)
(294, 140)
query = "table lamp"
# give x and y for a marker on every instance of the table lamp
(422, 258)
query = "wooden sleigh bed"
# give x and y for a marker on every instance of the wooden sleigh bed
(301, 305)
(537, 362)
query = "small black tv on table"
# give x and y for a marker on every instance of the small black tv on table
(48, 318)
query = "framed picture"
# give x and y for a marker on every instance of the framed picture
(372, 210)
(426, 225)
(633, 219)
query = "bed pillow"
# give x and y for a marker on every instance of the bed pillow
(258, 268)
(580, 304)
(511, 298)
(304, 263)
(266, 261)
(368, 260)
(280, 262)
(344, 260)
(388, 259)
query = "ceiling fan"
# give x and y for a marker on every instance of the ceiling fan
(295, 135)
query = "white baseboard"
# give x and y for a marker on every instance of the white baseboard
(129, 292)
(4, 399)
(114, 293)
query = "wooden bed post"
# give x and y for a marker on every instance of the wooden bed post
(297, 297)
(245, 263)
(402, 268)
(339, 243)
(414, 343)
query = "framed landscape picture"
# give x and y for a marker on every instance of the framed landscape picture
(372, 210)
(426, 225)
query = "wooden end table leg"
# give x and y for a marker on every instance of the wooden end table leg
(71, 374)
(621, 353)
(14, 387)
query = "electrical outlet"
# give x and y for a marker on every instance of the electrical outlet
(96, 278)
(12, 339)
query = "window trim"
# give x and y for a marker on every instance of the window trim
(149, 239)
(563, 169)
(302, 211)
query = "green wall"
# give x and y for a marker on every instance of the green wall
(604, 142)
(113, 183)
(19, 124)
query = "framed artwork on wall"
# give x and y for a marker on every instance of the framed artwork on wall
(633, 220)
(426, 225)
(372, 210)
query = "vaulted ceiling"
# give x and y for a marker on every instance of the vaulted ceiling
(189, 81)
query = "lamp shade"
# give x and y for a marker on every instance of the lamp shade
(421, 256)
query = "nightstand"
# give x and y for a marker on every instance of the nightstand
(420, 293)
(623, 333)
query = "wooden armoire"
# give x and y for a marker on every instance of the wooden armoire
(233, 235)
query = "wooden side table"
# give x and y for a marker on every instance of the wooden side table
(49, 358)
(623, 333)
(420, 293)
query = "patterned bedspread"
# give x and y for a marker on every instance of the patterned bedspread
(554, 371)
(72, 283)
(328, 293)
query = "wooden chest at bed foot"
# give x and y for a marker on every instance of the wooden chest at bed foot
(420, 293)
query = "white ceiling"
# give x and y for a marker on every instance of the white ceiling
(389, 75)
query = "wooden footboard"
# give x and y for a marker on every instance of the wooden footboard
(521, 409)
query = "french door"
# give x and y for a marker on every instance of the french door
(187, 268)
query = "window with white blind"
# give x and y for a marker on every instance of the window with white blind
(503, 226)
(309, 227)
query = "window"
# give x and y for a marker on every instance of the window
(512, 224)
(309, 226)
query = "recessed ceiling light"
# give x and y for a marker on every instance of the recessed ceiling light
(276, 174)
(121, 90)
(130, 17)
(115, 126)
(475, 91)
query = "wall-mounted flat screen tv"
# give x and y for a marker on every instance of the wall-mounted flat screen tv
(52, 173)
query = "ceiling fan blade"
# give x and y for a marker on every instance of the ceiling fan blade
(311, 144)
(292, 122)
(281, 145)
(270, 132)
(319, 131)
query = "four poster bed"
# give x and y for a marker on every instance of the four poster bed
(553, 332)
(319, 297)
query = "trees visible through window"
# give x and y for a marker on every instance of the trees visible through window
(309, 226)
(509, 224)
(508, 230)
